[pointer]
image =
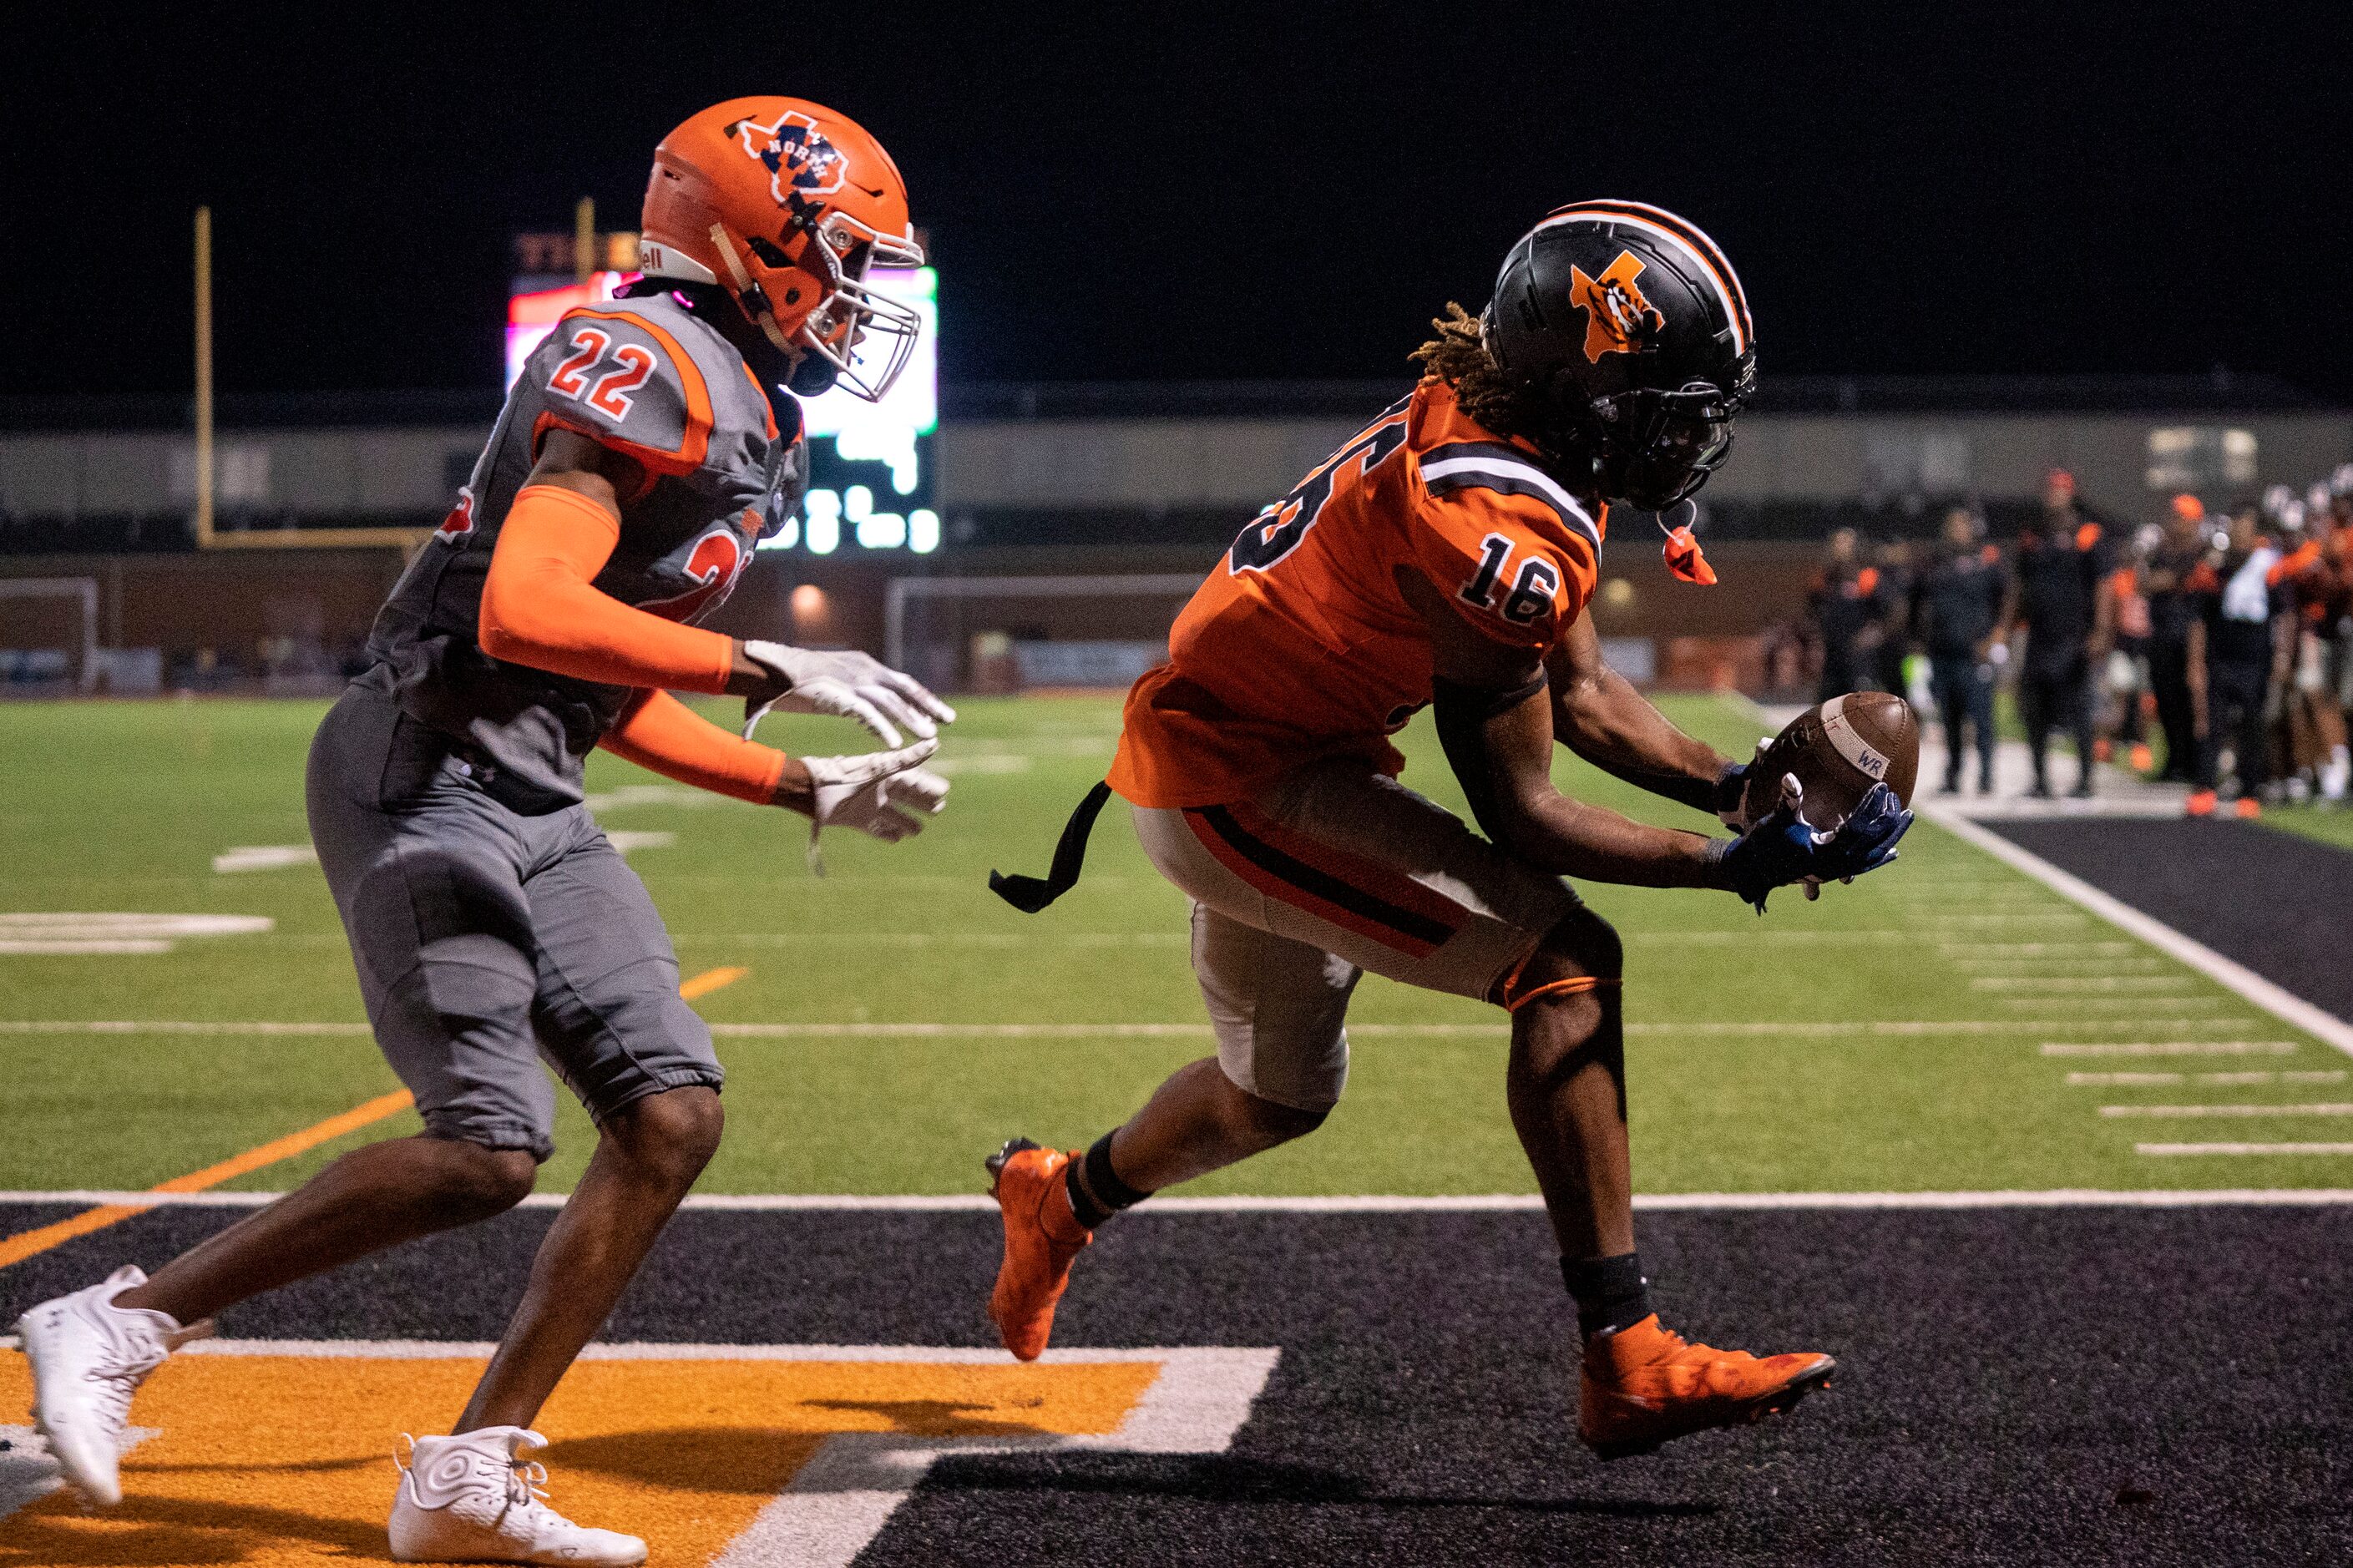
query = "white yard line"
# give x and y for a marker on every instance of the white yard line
(2170, 1112)
(2057, 964)
(1934, 924)
(981, 1203)
(2121, 1003)
(2172, 1049)
(2033, 950)
(83, 945)
(2056, 985)
(2152, 1080)
(2336, 1074)
(2270, 996)
(2244, 1149)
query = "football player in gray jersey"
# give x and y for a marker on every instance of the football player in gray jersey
(647, 447)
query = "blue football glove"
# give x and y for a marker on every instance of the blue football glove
(1782, 848)
(1732, 786)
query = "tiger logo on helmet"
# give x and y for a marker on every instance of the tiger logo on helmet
(1618, 319)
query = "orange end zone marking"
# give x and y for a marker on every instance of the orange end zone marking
(711, 980)
(284, 1461)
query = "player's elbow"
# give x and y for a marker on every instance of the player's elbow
(492, 635)
(1524, 821)
(502, 640)
(504, 626)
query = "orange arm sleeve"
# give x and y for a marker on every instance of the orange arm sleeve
(662, 734)
(539, 609)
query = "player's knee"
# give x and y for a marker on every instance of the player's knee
(1582, 945)
(473, 1182)
(673, 1134)
(1253, 1122)
(1272, 1121)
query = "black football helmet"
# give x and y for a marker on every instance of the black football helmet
(1628, 326)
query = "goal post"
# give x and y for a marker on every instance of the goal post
(1007, 633)
(49, 633)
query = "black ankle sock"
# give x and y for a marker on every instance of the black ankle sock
(1610, 1292)
(1096, 1192)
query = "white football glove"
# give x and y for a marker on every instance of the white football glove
(875, 792)
(849, 684)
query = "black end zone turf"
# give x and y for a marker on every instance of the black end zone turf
(2280, 903)
(2077, 1386)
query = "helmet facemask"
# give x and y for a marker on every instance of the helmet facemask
(1659, 448)
(855, 328)
(848, 314)
(1653, 448)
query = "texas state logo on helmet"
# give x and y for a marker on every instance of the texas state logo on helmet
(802, 163)
(787, 205)
(1631, 322)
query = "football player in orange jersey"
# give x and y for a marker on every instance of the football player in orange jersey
(648, 446)
(1447, 553)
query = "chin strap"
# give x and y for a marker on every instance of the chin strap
(1685, 559)
(753, 299)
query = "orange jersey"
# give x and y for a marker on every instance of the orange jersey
(1301, 646)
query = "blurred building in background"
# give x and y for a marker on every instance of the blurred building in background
(1035, 534)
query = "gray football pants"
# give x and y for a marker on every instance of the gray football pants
(487, 940)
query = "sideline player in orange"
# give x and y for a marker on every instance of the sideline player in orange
(648, 446)
(1446, 554)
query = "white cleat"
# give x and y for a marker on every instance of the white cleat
(473, 1499)
(89, 1357)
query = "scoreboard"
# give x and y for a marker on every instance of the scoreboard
(872, 485)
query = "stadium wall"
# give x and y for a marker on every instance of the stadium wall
(1037, 482)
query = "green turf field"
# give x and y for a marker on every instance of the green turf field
(2330, 824)
(122, 807)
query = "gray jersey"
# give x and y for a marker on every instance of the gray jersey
(649, 379)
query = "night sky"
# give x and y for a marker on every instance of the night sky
(1153, 192)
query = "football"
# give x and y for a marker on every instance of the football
(1838, 751)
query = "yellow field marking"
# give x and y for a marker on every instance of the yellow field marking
(274, 1461)
(711, 980)
(26, 1244)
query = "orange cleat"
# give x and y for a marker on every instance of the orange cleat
(1042, 1237)
(1645, 1385)
(2201, 802)
(2143, 759)
(2248, 808)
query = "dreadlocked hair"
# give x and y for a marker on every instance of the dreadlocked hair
(1458, 358)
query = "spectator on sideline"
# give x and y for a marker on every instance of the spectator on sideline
(2238, 656)
(2128, 672)
(2307, 573)
(1894, 591)
(1958, 605)
(2068, 622)
(2338, 616)
(2172, 612)
(1846, 611)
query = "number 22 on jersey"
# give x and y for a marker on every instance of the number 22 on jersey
(610, 392)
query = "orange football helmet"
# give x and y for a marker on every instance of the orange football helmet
(787, 203)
